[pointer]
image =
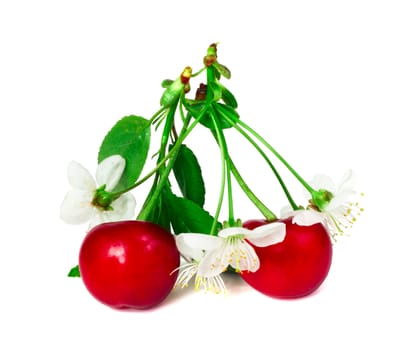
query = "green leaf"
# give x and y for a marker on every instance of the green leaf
(214, 91)
(206, 120)
(130, 138)
(166, 83)
(74, 272)
(228, 98)
(195, 109)
(187, 172)
(223, 70)
(186, 216)
(160, 213)
(225, 112)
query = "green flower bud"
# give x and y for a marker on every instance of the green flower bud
(102, 199)
(211, 56)
(321, 198)
(175, 88)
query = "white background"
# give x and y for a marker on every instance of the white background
(325, 82)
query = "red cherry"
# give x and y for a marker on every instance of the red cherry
(295, 267)
(129, 264)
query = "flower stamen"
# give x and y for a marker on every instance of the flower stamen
(187, 271)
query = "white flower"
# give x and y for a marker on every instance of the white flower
(79, 204)
(209, 256)
(193, 250)
(339, 213)
(213, 284)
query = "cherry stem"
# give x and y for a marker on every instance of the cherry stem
(153, 196)
(199, 72)
(168, 126)
(266, 212)
(222, 188)
(267, 160)
(226, 173)
(277, 155)
(157, 115)
(270, 164)
(166, 134)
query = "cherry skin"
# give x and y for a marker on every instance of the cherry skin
(129, 264)
(295, 267)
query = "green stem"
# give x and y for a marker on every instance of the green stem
(210, 79)
(162, 158)
(266, 212)
(182, 116)
(167, 131)
(225, 175)
(226, 172)
(220, 201)
(231, 218)
(148, 175)
(199, 72)
(151, 200)
(277, 155)
(264, 156)
(152, 120)
(272, 167)
(169, 122)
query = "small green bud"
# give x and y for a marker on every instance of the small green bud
(321, 198)
(212, 50)
(175, 88)
(102, 199)
(211, 56)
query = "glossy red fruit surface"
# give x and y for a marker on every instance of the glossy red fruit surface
(129, 264)
(295, 267)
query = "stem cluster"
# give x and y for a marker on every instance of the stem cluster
(214, 107)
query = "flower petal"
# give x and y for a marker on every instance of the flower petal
(237, 253)
(98, 217)
(76, 207)
(233, 231)
(193, 245)
(214, 262)
(266, 235)
(339, 201)
(322, 181)
(110, 171)
(124, 207)
(286, 212)
(245, 258)
(347, 183)
(308, 217)
(80, 178)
